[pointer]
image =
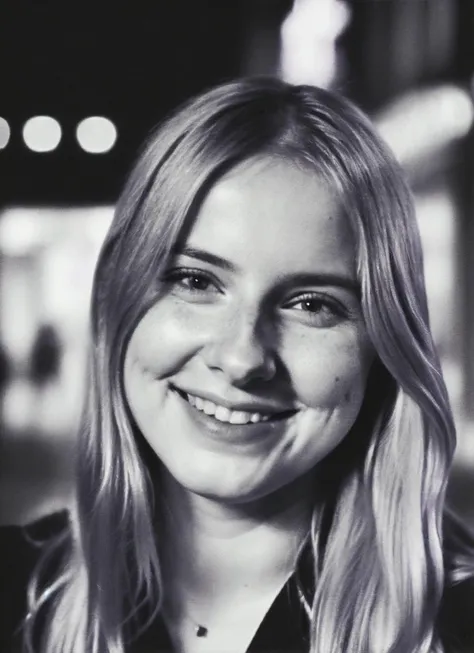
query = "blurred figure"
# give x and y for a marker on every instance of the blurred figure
(5, 369)
(45, 356)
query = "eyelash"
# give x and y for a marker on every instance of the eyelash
(178, 276)
(332, 309)
(327, 303)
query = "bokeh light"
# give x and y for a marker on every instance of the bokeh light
(96, 134)
(4, 133)
(42, 133)
(420, 123)
(308, 41)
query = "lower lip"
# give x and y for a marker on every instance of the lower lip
(239, 433)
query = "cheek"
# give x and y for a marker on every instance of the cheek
(331, 371)
(163, 340)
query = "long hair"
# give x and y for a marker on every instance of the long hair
(377, 534)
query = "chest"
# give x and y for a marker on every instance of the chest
(230, 629)
(269, 624)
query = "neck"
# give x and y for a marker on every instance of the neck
(213, 546)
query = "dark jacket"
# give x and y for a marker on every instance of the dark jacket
(283, 630)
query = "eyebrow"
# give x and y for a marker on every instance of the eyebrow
(300, 278)
(207, 257)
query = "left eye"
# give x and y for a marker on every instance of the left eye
(311, 305)
(320, 311)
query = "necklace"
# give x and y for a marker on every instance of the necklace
(202, 631)
(199, 629)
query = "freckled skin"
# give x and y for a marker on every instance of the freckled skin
(269, 218)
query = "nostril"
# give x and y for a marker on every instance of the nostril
(241, 360)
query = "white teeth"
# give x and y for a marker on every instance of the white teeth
(223, 414)
(209, 407)
(239, 417)
(199, 403)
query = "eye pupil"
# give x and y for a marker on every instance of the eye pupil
(311, 305)
(198, 283)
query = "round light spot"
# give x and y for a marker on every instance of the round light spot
(96, 134)
(42, 133)
(4, 133)
(422, 122)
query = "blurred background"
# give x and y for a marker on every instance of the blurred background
(82, 85)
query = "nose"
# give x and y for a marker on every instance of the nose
(243, 352)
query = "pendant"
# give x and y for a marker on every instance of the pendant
(201, 631)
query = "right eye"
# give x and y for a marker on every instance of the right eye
(191, 281)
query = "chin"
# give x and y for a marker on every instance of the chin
(232, 486)
(220, 490)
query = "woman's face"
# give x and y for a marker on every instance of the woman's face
(252, 366)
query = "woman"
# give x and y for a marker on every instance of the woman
(264, 453)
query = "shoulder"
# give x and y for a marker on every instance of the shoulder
(21, 548)
(456, 616)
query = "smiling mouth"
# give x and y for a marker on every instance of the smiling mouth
(228, 416)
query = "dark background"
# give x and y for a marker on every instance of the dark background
(133, 63)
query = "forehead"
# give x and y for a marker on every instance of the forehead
(275, 214)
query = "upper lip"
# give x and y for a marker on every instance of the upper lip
(245, 406)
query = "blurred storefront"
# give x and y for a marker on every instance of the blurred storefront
(411, 67)
(414, 76)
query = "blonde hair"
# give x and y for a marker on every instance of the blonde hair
(377, 537)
